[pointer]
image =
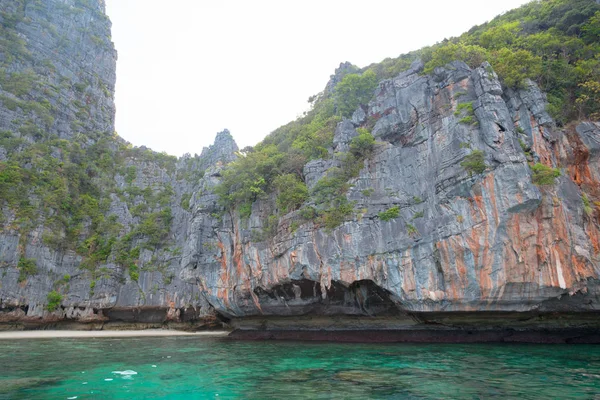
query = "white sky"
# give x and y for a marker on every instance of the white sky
(188, 69)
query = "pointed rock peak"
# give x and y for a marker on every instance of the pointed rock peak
(344, 69)
(225, 142)
(223, 149)
(224, 137)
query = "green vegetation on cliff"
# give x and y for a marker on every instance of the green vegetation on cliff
(389, 214)
(54, 300)
(474, 162)
(66, 185)
(276, 164)
(556, 43)
(544, 175)
(353, 91)
(63, 173)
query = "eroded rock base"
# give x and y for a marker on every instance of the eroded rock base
(471, 327)
(112, 319)
(111, 326)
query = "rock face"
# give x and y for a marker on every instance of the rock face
(464, 241)
(58, 70)
(57, 79)
(476, 242)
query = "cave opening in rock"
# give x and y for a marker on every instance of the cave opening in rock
(362, 297)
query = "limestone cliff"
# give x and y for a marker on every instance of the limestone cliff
(58, 68)
(84, 217)
(475, 209)
(463, 241)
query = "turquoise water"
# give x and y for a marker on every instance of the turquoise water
(211, 368)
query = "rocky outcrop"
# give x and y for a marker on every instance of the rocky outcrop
(464, 241)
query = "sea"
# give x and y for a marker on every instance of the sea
(221, 368)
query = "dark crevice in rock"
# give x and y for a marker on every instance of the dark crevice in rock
(11, 309)
(157, 314)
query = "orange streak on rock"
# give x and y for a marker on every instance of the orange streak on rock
(592, 231)
(371, 267)
(237, 262)
(579, 168)
(459, 262)
(347, 238)
(256, 301)
(293, 260)
(347, 272)
(472, 241)
(223, 288)
(479, 237)
(408, 285)
(561, 239)
(258, 271)
(489, 184)
(453, 275)
(520, 256)
(582, 268)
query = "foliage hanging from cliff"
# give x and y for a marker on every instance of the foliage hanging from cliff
(362, 145)
(27, 267)
(60, 173)
(473, 55)
(474, 163)
(54, 299)
(251, 176)
(389, 214)
(544, 175)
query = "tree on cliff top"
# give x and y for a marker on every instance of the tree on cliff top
(354, 90)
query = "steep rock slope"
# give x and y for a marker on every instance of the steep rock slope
(58, 68)
(92, 229)
(464, 238)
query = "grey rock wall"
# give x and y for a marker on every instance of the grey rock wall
(464, 241)
(63, 53)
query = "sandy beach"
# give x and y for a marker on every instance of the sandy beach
(105, 334)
